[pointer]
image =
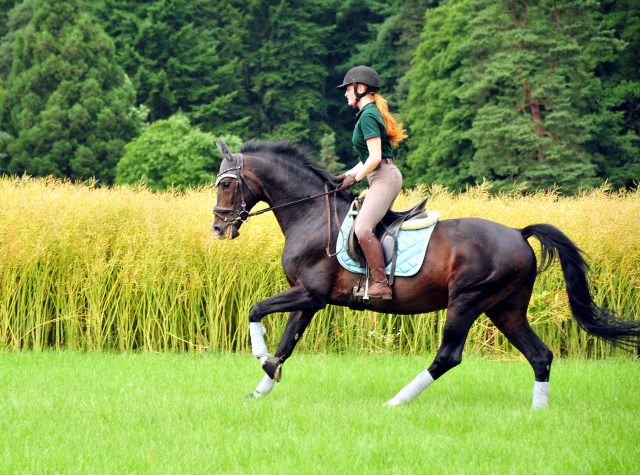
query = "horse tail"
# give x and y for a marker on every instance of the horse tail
(597, 321)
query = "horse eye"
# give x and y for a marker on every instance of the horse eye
(226, 185)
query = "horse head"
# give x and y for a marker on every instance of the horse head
(235, 197)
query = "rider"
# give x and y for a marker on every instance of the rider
(375, 133)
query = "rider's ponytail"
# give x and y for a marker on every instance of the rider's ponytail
(395, 132)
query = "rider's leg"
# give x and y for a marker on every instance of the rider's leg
(384, 186)
(375, 258)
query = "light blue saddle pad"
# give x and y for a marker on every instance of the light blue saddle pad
(412, 247)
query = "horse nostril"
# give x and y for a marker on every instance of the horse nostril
(216, 230)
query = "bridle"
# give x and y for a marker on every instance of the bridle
(235, 169)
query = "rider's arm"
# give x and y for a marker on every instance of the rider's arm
(374, 144)
(355, 169)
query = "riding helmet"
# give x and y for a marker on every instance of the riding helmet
(361, 75)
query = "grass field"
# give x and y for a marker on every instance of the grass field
(75, 412)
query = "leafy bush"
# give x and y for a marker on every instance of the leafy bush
(171, 152)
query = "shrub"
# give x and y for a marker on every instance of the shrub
(171, 152)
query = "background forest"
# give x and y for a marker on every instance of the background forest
(512, 91)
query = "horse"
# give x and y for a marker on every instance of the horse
(472, 266)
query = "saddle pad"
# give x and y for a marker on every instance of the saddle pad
(412, 247)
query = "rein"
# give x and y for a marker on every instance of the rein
(244, 215)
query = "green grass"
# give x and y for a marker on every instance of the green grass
(71, 412)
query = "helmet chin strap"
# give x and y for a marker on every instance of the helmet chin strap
(358, 95)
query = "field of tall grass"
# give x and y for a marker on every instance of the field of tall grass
(89, 267)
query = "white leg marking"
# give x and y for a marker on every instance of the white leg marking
(258, 346)
(540, 395)
(411, 390)
(265, 386)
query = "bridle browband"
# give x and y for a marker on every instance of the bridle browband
(236, 171)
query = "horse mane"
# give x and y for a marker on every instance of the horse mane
(293, 156)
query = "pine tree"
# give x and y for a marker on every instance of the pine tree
(530, 72)
(5, 8)
(176, 53)
(67, 103)
(17, 18)
(328, 158)
(616, 105)
(286, 72)
(440, 150)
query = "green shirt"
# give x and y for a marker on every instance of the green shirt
(370, 124)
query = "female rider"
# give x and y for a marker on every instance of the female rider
(375, 134)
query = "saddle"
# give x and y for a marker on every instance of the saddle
(387, 232)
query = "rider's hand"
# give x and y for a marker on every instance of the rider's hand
(348, 182)
(338, 178)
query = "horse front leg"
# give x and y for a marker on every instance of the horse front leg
(296, 300)
(296, 325)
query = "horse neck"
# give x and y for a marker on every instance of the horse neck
(282, 185)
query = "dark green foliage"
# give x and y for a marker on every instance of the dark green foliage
(286, 71)
(530, 75)
(440, 148)
(617, 104)
(173, 52)
(328, 157)
(455, 70)
(5, 8)
(171, 152)
(67, 103)
(17, 18)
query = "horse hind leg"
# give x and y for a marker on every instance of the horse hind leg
(510, 317)
(449, 355)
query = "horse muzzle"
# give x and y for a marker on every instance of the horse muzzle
(225, 230)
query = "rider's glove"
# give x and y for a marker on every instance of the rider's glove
(338, 178)
(348, 182)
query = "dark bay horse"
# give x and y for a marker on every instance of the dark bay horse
(471, 266)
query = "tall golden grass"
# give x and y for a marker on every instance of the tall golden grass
(90, 267)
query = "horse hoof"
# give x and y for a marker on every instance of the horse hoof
(273, 368)
(253, 395)
(277, 375)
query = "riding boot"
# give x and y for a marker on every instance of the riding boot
(373, 253)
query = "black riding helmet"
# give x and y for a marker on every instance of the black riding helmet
(361, 75)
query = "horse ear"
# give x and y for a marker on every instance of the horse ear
(225, 153)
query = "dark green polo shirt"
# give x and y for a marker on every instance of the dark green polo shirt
(369, 124)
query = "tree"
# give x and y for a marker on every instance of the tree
(67, 103)
(171, 152)
(176, 53)
(530, 72)
(17, 18)
(286, 71)
(616, 105)
(5, 8)
(328, 158)
(440, 150)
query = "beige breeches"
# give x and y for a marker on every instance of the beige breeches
(384, 185)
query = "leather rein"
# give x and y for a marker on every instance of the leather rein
(243, 215)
